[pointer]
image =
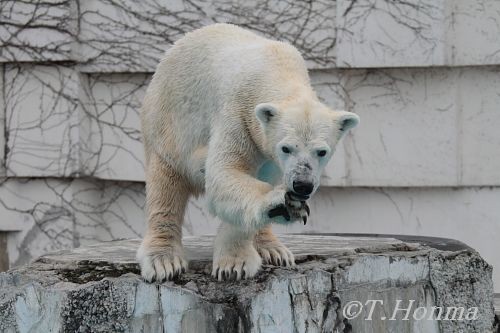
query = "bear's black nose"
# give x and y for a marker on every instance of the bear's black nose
(303, 188)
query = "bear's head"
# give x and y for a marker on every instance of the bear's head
(301, 139)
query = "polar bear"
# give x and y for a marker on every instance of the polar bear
(233, 115)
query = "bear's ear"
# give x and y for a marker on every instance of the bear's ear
(346, 120)
(265, 112)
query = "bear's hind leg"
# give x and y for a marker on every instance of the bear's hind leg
(167, 192)
(271, 249)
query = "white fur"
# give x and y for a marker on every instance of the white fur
(221, 105)
(235, 253)
(160, 267)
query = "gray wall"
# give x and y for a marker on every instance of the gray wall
(423, 75)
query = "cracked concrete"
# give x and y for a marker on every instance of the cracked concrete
(97, 289)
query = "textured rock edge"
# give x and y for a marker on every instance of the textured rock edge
(102, 296)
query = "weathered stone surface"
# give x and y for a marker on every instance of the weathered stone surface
(125, 35)
(42, 120)
(2, 125)
(97, 289)
(131, 36)
(383, 33)
(37, 30)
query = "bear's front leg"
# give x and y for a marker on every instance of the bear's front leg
(235, 253)
(279, 210)
(243, 203)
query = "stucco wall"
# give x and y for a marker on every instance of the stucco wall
(423, 75)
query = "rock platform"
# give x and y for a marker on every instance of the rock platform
(98, 288)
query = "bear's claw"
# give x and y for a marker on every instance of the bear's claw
(291, 210)
(280, 210)
(306, 207)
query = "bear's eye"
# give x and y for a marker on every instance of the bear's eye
(286, 150)
(321, 153)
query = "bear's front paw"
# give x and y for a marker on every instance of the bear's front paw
(291, 210)
(237, 264)
(161, 264)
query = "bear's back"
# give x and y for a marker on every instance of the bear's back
(227, 51)
(209, 69)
